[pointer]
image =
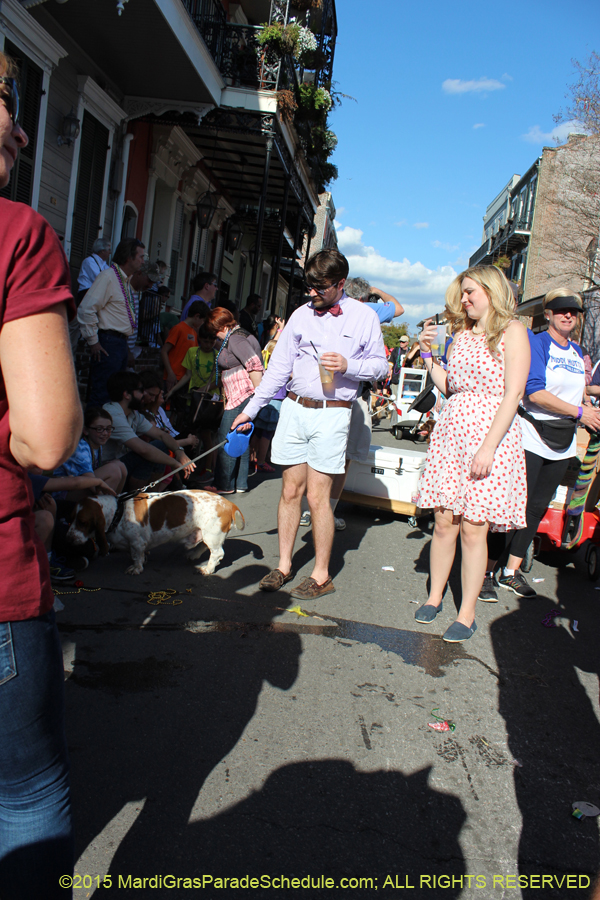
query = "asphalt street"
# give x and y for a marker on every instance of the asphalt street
(223, 735)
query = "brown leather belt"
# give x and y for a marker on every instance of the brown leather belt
(318, 404)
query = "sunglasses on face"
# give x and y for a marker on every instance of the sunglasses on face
(319, 290)
(10, 95)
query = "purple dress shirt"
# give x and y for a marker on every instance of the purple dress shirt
(356, 334)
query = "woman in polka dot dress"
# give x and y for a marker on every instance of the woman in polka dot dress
(475, 472)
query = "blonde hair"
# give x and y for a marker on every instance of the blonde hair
(500, 295)
(8, 67)
(563, 292)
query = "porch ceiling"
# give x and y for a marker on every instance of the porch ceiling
(138, 50)
(236, 162)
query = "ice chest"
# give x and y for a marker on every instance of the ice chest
(387, 479)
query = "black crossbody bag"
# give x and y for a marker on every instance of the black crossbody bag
(557, 434)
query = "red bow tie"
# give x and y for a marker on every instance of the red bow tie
(335, 310)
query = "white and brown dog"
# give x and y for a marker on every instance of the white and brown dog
(196, 518)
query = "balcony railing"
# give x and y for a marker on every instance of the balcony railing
(481, 253)
(241, 59)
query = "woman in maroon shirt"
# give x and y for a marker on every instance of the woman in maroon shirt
(40, 423)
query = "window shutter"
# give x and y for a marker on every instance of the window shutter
(90, 184)
(20, 186)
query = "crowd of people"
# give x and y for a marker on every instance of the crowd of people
(512, 401)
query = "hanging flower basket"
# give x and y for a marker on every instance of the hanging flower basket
(286, 104)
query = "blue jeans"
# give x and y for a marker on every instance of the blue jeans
(36, 837)
(116, 361)
(225, 477)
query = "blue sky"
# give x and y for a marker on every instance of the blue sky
(452, 100)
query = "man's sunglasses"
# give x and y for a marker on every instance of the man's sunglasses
(319, 290)
(12, 100)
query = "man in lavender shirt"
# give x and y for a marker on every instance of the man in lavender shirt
(312, 433)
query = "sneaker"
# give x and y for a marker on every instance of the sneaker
(305, 518)
(517, 583)
(487, 592)
(265, 467)
(340, 524)
(59, 571)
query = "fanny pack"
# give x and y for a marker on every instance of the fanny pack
(557, 434)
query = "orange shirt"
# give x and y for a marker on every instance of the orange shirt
(182, 337)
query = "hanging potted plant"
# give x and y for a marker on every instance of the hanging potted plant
(286, 104)
(271, 37)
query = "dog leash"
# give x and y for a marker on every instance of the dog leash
(129, 495)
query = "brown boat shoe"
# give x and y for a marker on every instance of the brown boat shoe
(274, 580)
(308, 589)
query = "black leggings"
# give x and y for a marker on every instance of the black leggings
(543, 477)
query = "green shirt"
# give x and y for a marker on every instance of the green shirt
(201, 365)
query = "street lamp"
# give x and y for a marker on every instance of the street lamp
(235, 236)
(71, 126)
(205, 209)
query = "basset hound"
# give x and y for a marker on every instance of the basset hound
(195, 518)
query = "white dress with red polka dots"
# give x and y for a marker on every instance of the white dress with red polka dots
(476, 382)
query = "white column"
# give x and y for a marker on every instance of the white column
(111, 138)
(73, 181)
(149, 210)
(41, 137)
(118, 214)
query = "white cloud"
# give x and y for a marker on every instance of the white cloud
(458, 86)
(421, 225)
(400, 223)
(560, 133)
(445, 246)
(507, 77)
(479, 125)
(340, 211)
(420, 290)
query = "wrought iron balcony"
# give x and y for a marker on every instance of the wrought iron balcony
(480, 254)
(243, 61)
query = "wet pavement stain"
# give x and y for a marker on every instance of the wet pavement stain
(427, 651)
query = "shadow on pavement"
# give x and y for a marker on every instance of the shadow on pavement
(152, 712)
(553, 729)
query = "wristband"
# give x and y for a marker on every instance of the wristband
(426, 355)
(579, 412)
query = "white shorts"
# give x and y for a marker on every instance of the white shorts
(314, 436)
(359, 436)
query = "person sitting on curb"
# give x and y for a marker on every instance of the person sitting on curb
(179, 340)
(45, 510)
(87, 459)
(144, 462)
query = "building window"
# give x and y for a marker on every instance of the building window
(20, 186)
(90, 186)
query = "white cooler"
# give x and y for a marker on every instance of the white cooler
(388, 479)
